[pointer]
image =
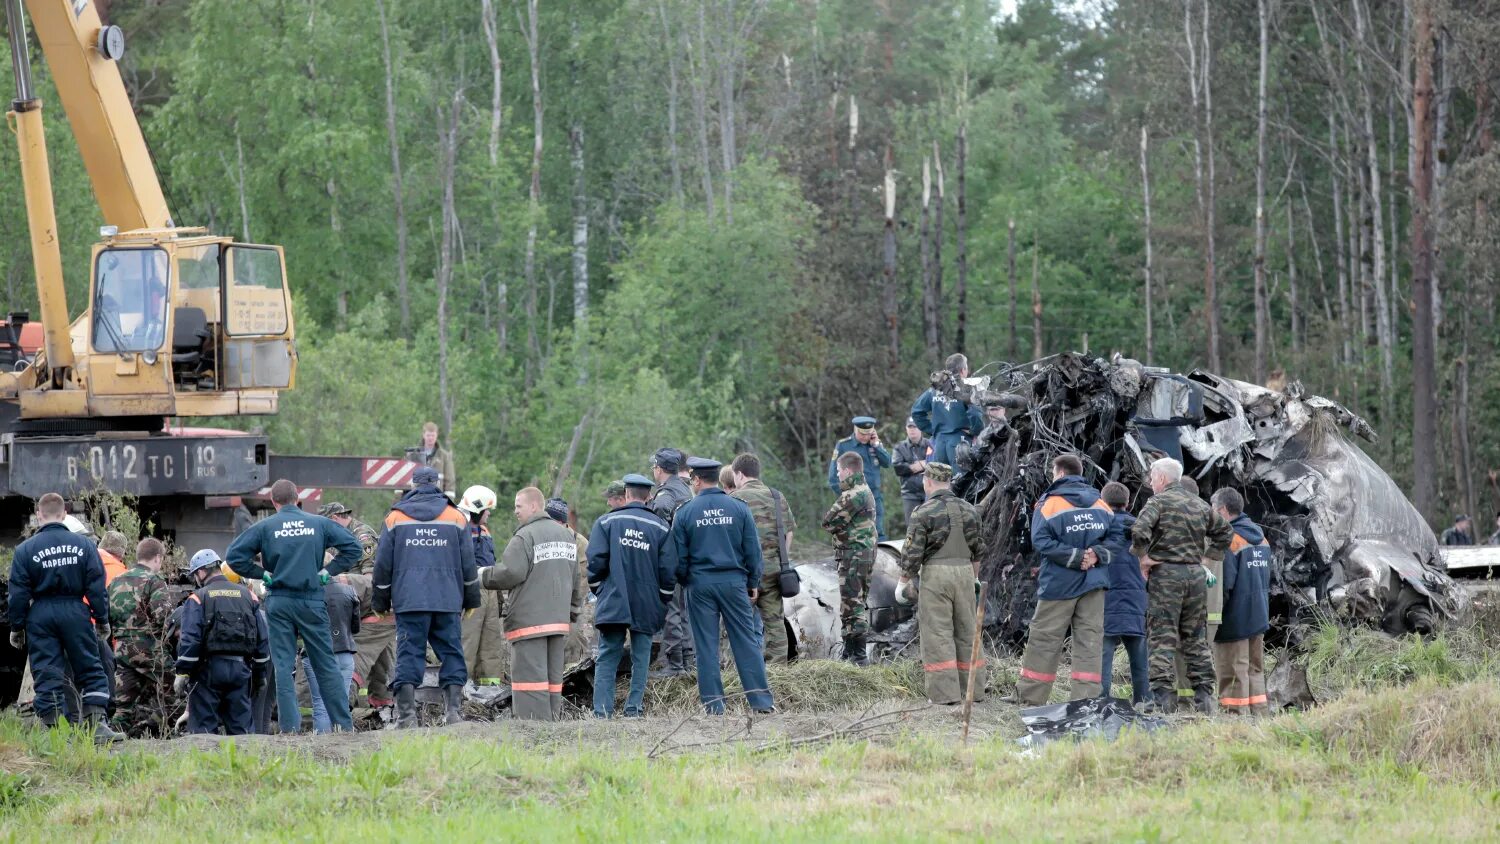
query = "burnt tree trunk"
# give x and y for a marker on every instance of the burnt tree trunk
(1423, 363)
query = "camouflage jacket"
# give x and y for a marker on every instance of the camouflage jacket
(851, 519)
(361, 577)
(930, 527)
(757, 496)
(139, 606)
(1175, 526)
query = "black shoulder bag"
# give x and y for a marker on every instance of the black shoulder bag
(788, 579)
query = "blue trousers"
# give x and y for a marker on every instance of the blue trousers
(945, 448)
(712, 604)
(291, 616)
(221, 696)
(607, 669)
(321, 724)
(59, 636)
(1140, 675)
(414, 632)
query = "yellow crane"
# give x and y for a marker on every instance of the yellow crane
(179, 322)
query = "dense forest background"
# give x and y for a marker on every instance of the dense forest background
(572, 231)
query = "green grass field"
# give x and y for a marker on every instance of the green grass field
(1414, 760)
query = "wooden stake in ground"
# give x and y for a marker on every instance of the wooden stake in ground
(974, 653)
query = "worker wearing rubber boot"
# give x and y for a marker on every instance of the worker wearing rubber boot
(1068, 526)
(1239, 649)
(764, 503)
(484, 640)
(942, 547)
(1169, 537)
(851, 521)
(139, 606)
(375, 641)
(51, 575)
(425, 572)
(223, 650)
(539, 567)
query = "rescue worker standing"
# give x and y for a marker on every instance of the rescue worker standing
(910, 461)
(1125, 603)
(425, 572)
(484, 640)
(540, 568)
(375, 641)
(1068, 526)
(764, 502)
(1169, 537)
(670, 493)
(1239, 649)
(942, 547)
(718, 559)
(948, 419)
(866, 443)
(51, 575)
(291, 545)
(222, 651)
(851, 521)
(632, 572)
(139, 606)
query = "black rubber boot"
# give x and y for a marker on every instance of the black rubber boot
(406, 707)
(93, 717)
(453, 704)
(1203, 702)
(855, 651)
(1164, 701)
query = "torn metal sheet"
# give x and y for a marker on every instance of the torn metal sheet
(1100, 717)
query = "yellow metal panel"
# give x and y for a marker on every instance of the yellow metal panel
(53, 404)
(128, 405)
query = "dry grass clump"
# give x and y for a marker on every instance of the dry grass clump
(812, 685)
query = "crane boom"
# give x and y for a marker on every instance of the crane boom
(99, 110)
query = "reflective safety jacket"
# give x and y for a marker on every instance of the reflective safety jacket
(1070, 518)
(540, 568)
(632, 568)
(1247, 583)
(425, 559)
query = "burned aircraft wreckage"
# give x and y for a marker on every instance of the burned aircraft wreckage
(1348, 543)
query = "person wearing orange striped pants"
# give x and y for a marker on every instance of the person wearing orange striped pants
(540, 568)
(1239, 645)
(942, 545)
(1068, 526)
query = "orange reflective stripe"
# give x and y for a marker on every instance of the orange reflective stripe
(1238, 544)
(965, 666)
(555, 688)
(538, 629)
(192, 597)
(1254, 699)
(1056, 504)
(532, 687)
(1087, 677)
(1038, 676)
(950, 665)
(1237, 701)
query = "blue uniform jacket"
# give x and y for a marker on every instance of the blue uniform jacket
(1125, 604)
(715, 541)
(56, 563)
(424, 561)
(484, 545)
(291, 545)
(632, 568)
(1069, 519)
(937, 415)
(190, 654)
(874, 459)
(1247, 583)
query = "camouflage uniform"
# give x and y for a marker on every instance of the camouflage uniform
(139, 606)
(375, 643)
(946, 608)
(851, 520)
(757, 496)
(1173, 529)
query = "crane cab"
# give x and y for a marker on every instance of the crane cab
(179, 323)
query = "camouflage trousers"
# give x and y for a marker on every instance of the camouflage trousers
(772, 618)
(144, 701)
(1177, 620)
(854, 587)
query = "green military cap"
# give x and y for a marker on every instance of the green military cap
(616, 489)
(939, 473)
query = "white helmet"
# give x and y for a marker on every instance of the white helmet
(477, 499)
(76, 525)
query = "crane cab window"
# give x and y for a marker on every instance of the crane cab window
(130, 300)
(254, 292)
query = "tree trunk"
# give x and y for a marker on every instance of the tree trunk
(669, 46)
(697, 68)
(1262, 306)
(580, 221)
(403, 294)
(1293, 302)
(1340, 245)
(1010, 256)
(1036, 299)
(892, 315)
(1146, 197)
(1202, 100)
(492, 41)
(1423, 358)
(534, 208)
(924, 252)
(937, 243)
(962, 259)
(447, 122)
(1384, 331)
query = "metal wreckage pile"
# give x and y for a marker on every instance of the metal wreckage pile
(1348, 543)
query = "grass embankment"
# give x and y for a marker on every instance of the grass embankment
(1415, 760)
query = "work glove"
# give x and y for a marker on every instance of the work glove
(18, 639)
(906, 592)
(267, 578)
(324, 577)
(1207, 572)
(180, 685)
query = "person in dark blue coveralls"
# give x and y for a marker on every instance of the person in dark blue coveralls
(632, 573)
(948, 420)
(291, 545)
(222, 651)
(718, 559)
(866, 442)
(51, 576)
